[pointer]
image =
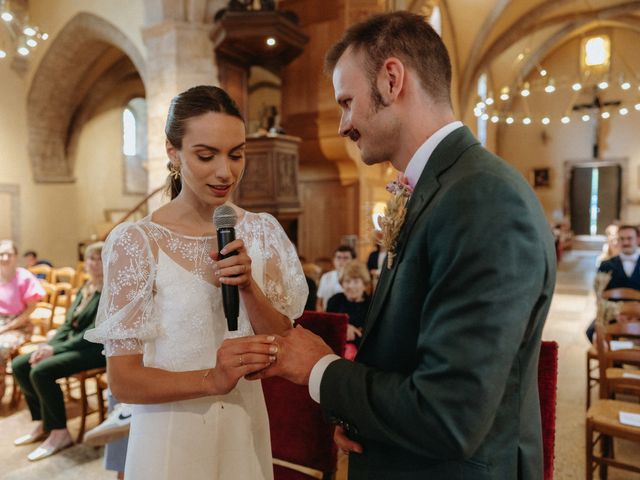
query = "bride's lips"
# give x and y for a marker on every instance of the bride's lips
(219, 190)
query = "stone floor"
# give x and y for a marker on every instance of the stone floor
(571, 311)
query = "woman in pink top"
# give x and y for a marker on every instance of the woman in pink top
(19, 293)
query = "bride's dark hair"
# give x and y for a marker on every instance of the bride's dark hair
(192, 103)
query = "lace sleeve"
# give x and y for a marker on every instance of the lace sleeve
(124, 320)
(284, 282)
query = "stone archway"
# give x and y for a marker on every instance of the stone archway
(64, 77)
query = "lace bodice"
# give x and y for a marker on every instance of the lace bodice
(159, 298)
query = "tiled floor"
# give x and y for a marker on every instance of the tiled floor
(571, 311)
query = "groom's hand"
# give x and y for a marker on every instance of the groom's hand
(298, 351)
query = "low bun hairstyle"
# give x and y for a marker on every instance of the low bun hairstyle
(192, 103)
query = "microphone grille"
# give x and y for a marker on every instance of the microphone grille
(225, 217)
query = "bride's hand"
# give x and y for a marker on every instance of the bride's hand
(238, 357)
(235, 270)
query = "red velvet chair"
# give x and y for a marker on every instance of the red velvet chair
(547, 387)
(301, 440)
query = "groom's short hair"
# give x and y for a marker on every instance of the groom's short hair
(403, 35)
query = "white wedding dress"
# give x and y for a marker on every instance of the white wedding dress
(159, 300)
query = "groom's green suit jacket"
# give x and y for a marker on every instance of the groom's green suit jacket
(445, 383)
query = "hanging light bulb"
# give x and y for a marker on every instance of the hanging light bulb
(31, 42)
(44, 36)
(576, 87)
(489, 100)
(526, 121)
(543, 72)
(625, 85)
(504, 94)
(525, 92)
(586, 118)
(551, 87)
(29, 31)
(509, 120)
(496, 118)
(623, 111)
(484, 116)
(3, 54)
(6, 16)
(565, 119)
(603, 85)
(545, 120)
(605, 115)
(637, 106)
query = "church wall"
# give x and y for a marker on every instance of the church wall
(100, 166)
(537, 145)
(54, 217)
(46, 212)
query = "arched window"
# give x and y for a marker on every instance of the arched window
(482, 119)
(134, 146)
(435, 20)
(128, 133)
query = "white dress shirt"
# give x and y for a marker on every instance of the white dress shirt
(629, 262)
(414, 170)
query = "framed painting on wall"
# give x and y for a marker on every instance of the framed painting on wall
(541, 177)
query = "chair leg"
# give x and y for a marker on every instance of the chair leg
(588, 382)
(606, 448)
(84, 405)
(16, 393)
(590, 445)
(99, 394)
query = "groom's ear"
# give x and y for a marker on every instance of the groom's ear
(391, 79)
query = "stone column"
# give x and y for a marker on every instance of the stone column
(179, 56)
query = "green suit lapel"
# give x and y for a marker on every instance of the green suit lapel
(444, 156)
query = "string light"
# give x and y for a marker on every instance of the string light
(605, 115)
(565, 120)
(586, 118)
(623, 111)
(526, 120)
(603, 85)
(576, 87)
(525, 92)
(545, 120)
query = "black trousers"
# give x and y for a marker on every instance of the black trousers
(42, 393)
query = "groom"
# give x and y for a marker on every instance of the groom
(445, 383)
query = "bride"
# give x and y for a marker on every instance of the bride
(161, 317)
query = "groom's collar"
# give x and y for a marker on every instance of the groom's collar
(422, 155)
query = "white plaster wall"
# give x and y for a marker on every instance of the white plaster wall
(52, 16)
(46, 211)
(55, 217)
(536, 145)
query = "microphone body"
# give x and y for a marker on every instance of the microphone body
(230, 295)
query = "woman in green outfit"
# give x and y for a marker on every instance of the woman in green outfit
(65, 354)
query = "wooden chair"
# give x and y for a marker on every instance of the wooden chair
(63, 274)
(613, 294)
(42, 271)
(547, 390)
(302, 443)
(82, 378)
(603, 416)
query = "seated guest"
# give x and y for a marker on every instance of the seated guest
(624, 267)
(330, 281)
(19, 293)
(31, 259)
(354, 301)
(612, 247)
(65, 354)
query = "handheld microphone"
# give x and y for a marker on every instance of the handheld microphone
(225, 219)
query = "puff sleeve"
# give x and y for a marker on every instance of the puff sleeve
(125, 317)
(283, 279)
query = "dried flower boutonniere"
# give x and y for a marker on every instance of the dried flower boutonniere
(394, 215)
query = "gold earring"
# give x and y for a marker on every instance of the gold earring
(174, 172)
